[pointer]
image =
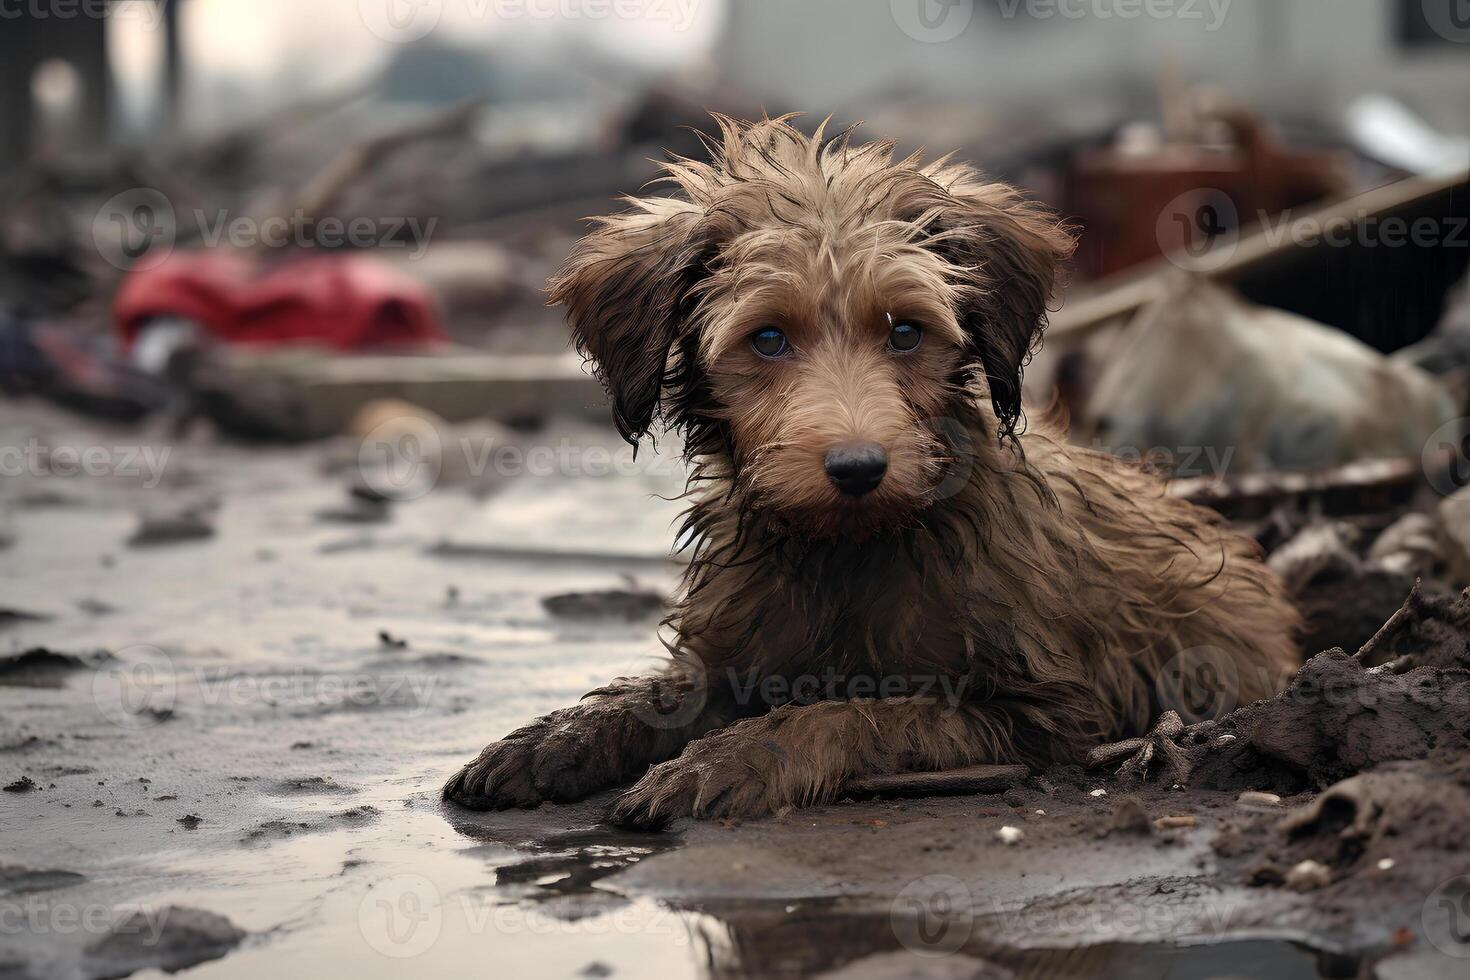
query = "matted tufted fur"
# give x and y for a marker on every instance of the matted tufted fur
(1054, 596)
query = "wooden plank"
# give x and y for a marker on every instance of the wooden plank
(1123, 295)
(948, 782)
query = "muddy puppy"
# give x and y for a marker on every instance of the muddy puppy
(888, 571)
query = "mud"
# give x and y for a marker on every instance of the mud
(245, 754)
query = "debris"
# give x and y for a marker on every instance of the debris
(388, 640)
(1191, 374)
(1308, 876)
(1130, 816)
(626, 604)
(1410, 545)
(19, 879)
(1453, 517)
(1322, 547)
(11, 617)
(1098, 793)
(1010, 835)
(347, 302)
(43, 667)
(1256, 798)
(950, 782)
(24, 784)
(1175, 822)
(191, 821)
(170, 939)
(1138, 753)
(189, 524)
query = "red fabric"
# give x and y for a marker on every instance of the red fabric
(345, 301)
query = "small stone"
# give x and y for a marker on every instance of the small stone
(24, 784)
(1175, 822)
(1308, 876)
(1386, 864)
(1040, 813)
(1098, 794)
(1130, 816)
(1254, 798)
(1010, 835)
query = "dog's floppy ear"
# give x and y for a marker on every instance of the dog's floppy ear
(1009, 253)
(626, 287)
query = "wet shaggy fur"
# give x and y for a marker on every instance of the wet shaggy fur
(1000, 597)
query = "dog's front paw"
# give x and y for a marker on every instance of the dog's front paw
(714, 778)
(530, 767)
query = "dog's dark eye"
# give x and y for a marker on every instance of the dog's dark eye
(905, 336)
(769, 342)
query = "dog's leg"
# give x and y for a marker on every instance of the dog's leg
(799, 755)
(611, 736)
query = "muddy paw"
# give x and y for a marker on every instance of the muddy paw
(525, 770)
(708, 781)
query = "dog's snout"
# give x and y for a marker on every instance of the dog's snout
(856, 468)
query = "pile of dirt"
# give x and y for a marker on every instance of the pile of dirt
(1339, 717)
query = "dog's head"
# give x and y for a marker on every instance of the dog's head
(810, 309)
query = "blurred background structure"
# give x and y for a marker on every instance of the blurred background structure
(439, 153)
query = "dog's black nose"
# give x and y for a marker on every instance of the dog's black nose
(856, 468)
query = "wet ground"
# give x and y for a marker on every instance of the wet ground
(221, 746)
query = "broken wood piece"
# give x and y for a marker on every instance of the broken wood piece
(949, 782)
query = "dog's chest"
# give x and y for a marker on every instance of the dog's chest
(873, 619)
